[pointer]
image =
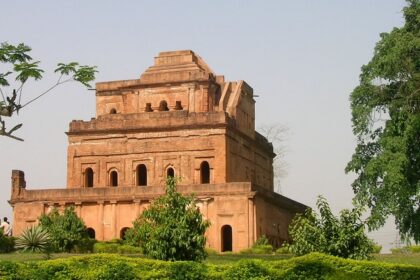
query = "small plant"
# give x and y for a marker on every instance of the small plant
(282, 250)
(34, 240)
(263, 240)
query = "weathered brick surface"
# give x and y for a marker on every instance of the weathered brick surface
(178, 115)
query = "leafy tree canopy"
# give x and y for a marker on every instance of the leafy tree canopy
(18, 66)
(342, 236)
(172, 228)
(65, 230)
(386, 120)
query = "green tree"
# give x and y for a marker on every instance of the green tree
(342, 236)
(386, 120)
(172, 228)
(16, 64)
(65, 230)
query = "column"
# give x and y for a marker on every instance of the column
(100, 229)
(114, 219)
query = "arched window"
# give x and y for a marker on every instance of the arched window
(205, 172)
(91, 232)
(149, 107)
(113, 178)
(141, 172)
(170, 172)
(113, 111)
(123, 232)
(88, 177)
(178, 105)
(163, 106)
(226, 238)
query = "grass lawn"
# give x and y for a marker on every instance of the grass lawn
(413, 259)
(23, 257)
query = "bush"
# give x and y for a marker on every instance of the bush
(258, 249)
(84, 245)
(399, 250)
(376, 248)
(115, 247)
(263, 240)
(282, 250)
(171, 228)
(248, 269)
(342, 236)
(108, 266)
(7, 244)
(406, 249)
(210, 251)
(66, 230)
(413, 248)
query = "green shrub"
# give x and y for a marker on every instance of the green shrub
(210, 251)
(248, 269)
(282, 250)
(402, 250)
(171, 228)
(84, 245)
(343, 236)
(263, 240)
(258, 249)
(413, 248)
(129, 249)
(65, 230)
(108, 266)
(7, 244)
(115, 247)
(105, 247)
(377, 248)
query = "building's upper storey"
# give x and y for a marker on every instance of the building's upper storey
(178, 81)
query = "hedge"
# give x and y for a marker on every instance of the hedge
(108, 266)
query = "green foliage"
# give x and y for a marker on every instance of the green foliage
(343, 236)
(115, 247)
(84, 245)
(386, 120)
(34, 239)
(263, 240)
(7, 244)
(261, 246)
(105, 266)
(66, 230)
(376, 248)
(172, 228)
(283, 250)
(18, 65)
(258, 250)
(406, 250)
(210, 251)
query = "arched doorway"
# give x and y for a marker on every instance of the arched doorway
(123, 231)
(141, 172)
(226, 238)
(205, 172)
(91, 232)
(113, 178)
(170, 172)
(88, 177)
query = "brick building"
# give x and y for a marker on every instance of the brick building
(178, 119)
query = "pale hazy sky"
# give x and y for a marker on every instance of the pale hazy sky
(302, 58)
